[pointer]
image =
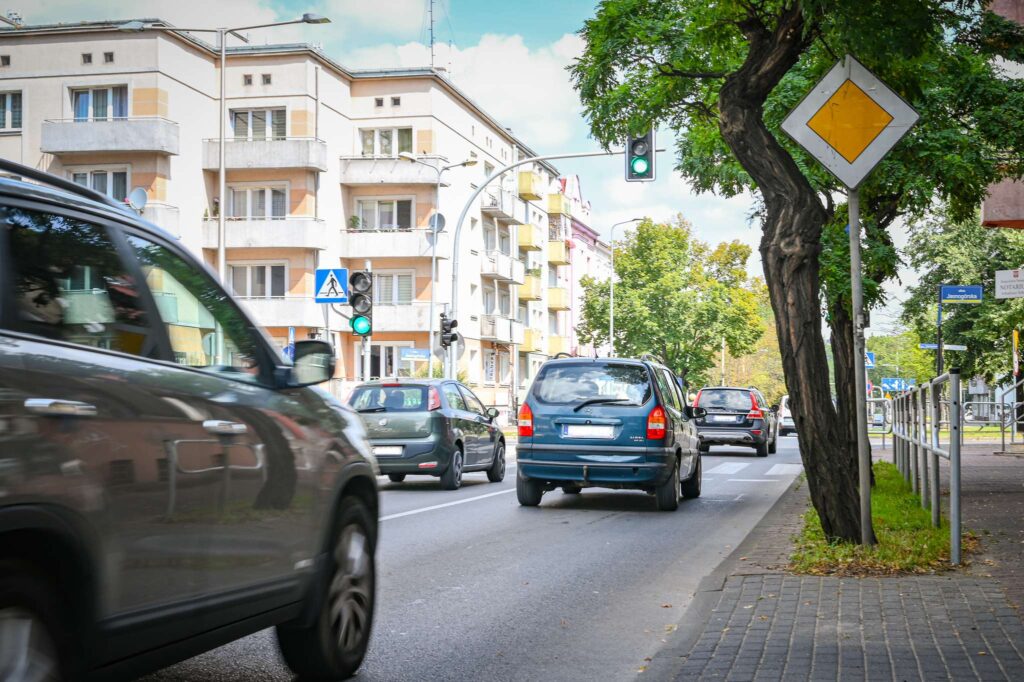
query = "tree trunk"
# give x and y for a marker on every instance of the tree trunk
(841, 325)
(789, 249)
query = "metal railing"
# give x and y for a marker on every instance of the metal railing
(919, 415)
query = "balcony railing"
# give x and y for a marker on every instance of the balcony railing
(377, 170)
(531, 237)
(502, 267)
(298, 232)
(533, 342)
(416, 243)
(531, 186)
(495, 328)
(499, 203)
(558, 252)
(558, 344)
(287, 311)
(559, 204)
(558, 298)
(133, 134)
(530, 289)
(285, 152)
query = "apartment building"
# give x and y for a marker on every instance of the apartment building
(325, 166)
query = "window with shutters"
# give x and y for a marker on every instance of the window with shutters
(385, 214)
(259, 124)
(257, 202)
(393, 288)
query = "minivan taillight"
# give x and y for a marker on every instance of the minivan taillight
(525, 420)
(656, 424)
(755, 409)
(433, 399)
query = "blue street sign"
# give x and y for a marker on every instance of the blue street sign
(413, 354)
(928, 346)
(895, 385)
(869, 360)
(960, 293)
(331, 285)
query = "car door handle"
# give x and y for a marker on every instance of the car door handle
(220, 427)
(53, 407)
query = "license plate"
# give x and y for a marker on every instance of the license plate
(588, 431)
(387, 450)
(722, 418)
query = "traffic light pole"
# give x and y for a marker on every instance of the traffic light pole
(366, 339)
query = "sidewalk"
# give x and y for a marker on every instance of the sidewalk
(753, 621)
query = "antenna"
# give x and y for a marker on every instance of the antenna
(430, 12)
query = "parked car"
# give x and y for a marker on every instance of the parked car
(609, 423)
(736, 416)
(787, 427)
(430, 426)
(169, 482)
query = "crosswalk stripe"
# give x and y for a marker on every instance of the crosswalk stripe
(728, 468)
(784, 470)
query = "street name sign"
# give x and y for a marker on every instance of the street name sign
(413, 354)
(849, 121)
(1010, 283)
(331, 285)
(929, 346)
(945, 346)
(960, 293)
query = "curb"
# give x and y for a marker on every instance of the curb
(668, 661)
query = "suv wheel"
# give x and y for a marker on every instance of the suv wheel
(762, 450)
(691, 486)
(451, 479)
(528, 491)
(32, 644)
(333, 647)
(496, 473)
(773, 447)
(668, 493)
(396, 478)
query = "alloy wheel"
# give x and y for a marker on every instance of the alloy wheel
(27, 652)
(350, 592)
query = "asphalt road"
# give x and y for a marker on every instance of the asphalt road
(472, 586)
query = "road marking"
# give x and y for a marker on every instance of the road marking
(728, 468)
(784, 470)
(753, 480)
(442, 506)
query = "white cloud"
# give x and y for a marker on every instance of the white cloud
(386, 17)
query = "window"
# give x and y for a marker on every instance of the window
(390, 399)
(396, 101)
(100, 104)
(505, 303)
(473, 403)
(247, 79)
(667, 384)
(86, 58)
(384, 214)
(5, 60)
(258, 280)
(385, 141)
(205, 329)
(70, 284)
(576, 382)
(490, 366)
(258, 202)
(259, 124)
(378, 101)
(266, 79)
(454, 397)
(108, 57)
(10, 110)
(393, 288)
(504, 369)
(113, 183)
(490, 299)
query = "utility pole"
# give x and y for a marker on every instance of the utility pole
(430, 12)
(723, 361)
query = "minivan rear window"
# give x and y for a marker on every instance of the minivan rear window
(389, 399)
(564, 384)
(724, 399)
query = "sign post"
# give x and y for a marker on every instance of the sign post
(953, 293)
(849, 122)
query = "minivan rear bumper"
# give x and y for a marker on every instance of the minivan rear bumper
(598, 466)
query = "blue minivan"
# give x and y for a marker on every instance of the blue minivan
(608, 423)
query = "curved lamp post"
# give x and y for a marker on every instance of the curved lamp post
(611, 287)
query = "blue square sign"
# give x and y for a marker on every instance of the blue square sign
(869, 360)
(331, 285)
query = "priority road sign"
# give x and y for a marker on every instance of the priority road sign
(331, 285)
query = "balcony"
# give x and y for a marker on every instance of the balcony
(530, 289)
(558, 252)
(394, 244)
(1004, 205)
(495, 328)
(163, 215)
(559, 204)
(498, 203)
(533, 342)
(518, 332)
(502, 267)
(289, 152)
(142, 134)
(558, 298)
(414, 317)
(531, 237)
(294, 232)
(382, 170)
(531, 186)
(558, 344)
(290, 311)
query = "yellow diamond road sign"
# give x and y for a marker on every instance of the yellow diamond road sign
(849, 121)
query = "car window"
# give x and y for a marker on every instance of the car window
(389, 399)
(667, 386)
(725, 399)
(472, 402)
(70, 283)
(206, 331)
(567, 383)
(454, 397)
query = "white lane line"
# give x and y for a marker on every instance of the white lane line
(728, 468)
(754, 480)
(442, 506)
(784, 470)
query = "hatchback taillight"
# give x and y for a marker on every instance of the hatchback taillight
(696, 401)
(656, 424)
(525, 420)
(755, 409)
(433, 399)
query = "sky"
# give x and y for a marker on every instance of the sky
(508, 57)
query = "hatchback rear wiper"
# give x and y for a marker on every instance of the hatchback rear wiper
(603, 401)
(372, 409)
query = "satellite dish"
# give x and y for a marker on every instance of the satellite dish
(437, 222)
(138, 198)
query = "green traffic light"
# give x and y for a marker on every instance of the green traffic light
(360, 325)
(639, 165)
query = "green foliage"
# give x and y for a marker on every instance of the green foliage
(762, 366)
(900, 355)
(675, 297)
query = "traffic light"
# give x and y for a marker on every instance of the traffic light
(448, 337)
(640, 158)
(360, 297)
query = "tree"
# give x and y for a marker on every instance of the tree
(675, 297)
(722, 76)
(762, 366)
(900, 355)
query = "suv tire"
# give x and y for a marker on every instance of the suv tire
(669, 492)
(29, 603)
(496, 472)
(528, 491)
(331, 648)
(762, 450)
(451, 479)
(773, 447)
(691, 486)
(396, 478)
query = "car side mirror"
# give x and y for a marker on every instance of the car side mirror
(775, 408)
(314, 363)
(696, 412)
(492, 413)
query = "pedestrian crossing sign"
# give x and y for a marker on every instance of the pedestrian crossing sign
(331, 285)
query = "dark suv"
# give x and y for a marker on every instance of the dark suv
(168, 481)
(737, 416)
(610, 423)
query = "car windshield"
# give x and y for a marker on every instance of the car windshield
(389, 399)
(724, 399)
(566, 384)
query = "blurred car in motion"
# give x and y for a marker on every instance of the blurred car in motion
(736, 416)
(168, 481)
(430, 426)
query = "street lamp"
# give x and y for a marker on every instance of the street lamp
(435, 228)
(611, 287)
(222, 33)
